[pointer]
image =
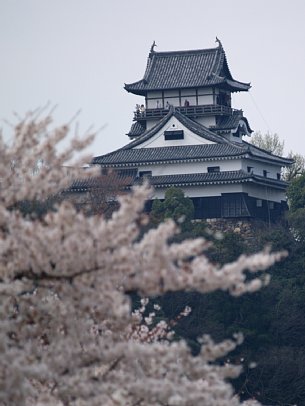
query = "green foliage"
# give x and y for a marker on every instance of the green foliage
(296, 193)
(175, 206)
(272, 320)
(227, 249)
(36, 208)
(269, 142)
(296, 198)
(296, 169)
(297, 222)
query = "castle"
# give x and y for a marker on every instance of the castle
(186, 134)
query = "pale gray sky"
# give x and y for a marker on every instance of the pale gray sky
(79, 53)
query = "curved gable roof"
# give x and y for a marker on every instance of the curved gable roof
(263, 154)
(223, 148)
(183, 153)
(232, 121)
(186, 69)
(193, 126)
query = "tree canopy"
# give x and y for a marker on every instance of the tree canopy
(68, 332)
(270, 142)
(175, 206)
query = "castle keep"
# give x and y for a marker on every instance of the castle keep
(185, 133)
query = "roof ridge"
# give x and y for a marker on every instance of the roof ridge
(136, 142)
(211, 135)
(269, 154)
(218, 62)
(184, 51)
(152, 130)
(263, 150)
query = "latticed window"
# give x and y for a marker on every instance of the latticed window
(173, 135)
(145, 174)
(212, 169)
(234, 206)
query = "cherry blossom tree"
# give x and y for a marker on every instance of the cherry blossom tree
(67, 332)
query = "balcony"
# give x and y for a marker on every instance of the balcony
(190, 111)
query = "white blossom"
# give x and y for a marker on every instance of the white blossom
(67, 332)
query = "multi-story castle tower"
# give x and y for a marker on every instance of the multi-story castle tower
(197, 83)
(186, 134)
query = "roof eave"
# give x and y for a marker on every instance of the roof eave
(233, 86)
(131, 88)
(236, 86)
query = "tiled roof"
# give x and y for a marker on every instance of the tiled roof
(262, 154)
(129, 155)
(113, 178)
(196, 178)
(185, 69)
(180, 180)
(192, 125)
(231, 122)
(200, 179)
(136, 130)
(160, 154)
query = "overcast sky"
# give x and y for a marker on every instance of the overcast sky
(78, 54)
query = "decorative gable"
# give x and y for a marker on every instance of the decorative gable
(173, 134)
(187, 134)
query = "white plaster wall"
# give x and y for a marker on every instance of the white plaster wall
(255, 191)
(158, 139)
(265, 193)
(171, 93)
(191, 167)
(207, 121)
(205, 99)
(152, 103)
(154, 94)
(188, 92)
(205, 96)
(191, 99)
(205, 90)
(151, 123)
(173, 101)
(259, 167)
(202, 191)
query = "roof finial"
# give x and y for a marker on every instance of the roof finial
(153, 46)
(219, 42)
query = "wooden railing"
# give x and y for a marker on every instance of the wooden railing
(191, 111)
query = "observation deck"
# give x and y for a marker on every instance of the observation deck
(190, 111)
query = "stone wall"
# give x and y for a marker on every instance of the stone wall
(246, 228)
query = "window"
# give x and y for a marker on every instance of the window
(234, 206)
(145, 174)
(278, 176)
(212, 169)
(170, 135)
(265, 173)
(259, 203)
(127, 172)
(250, 169)
(271, 205)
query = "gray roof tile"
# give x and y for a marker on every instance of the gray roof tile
(129, 155)
(161, 154)
(185, 69)
(179, 180)
(136, 130)
(266, 155)
(231, 122)
(200, 179)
